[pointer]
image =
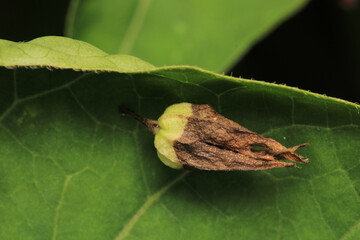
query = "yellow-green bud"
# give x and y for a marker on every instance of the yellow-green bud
(172, 126)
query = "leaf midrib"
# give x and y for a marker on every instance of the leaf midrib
(132, 221)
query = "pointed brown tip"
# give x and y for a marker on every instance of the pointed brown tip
(294, 148)
(290, 155)
(293, 157)
(305, 160)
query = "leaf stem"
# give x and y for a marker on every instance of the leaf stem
(152, 125)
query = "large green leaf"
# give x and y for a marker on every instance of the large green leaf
(211, 34)
(71, 167)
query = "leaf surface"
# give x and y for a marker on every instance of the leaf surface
(211, 34)
(71, 167)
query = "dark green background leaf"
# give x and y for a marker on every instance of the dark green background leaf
(72, 168)
(210, 34)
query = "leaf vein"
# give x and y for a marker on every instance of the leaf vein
(352, 229)
(28, 221)
(92, 117)
(59, 205)
(199, 196)
(18, 141)
(172, 215)
(341, 167)
(135, 218)
(61, 87)
(318, 205)
(61, 200)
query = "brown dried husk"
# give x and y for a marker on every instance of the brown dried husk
(213, 142)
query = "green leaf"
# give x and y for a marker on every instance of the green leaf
(65, 53)
(71, 167)
(211, 34)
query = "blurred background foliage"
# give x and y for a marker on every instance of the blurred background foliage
(317, 49)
